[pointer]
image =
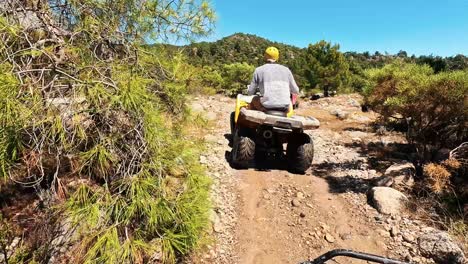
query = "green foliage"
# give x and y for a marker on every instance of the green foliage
(155, 212)
(10, 143)
(236, 77)
(99, 123)
(438, 64)
(238, 48)
(138, 20)
(228, 59)
(433, 105)
(326, 67)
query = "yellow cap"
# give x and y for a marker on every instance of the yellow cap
(272, 53)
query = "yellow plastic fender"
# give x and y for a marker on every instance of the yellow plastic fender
(242, 101)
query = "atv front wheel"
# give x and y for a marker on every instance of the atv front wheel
(243, 150)
(300, 155)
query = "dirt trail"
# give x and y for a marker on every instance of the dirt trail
(272, 231)
(273, 216)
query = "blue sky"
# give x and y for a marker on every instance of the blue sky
(438, 27)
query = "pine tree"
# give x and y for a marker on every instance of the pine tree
(326, 67)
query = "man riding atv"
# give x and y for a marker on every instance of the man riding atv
(262, 125)
(275, 83)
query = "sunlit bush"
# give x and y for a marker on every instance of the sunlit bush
(433, 106)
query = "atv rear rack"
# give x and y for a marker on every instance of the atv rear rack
(253, 118)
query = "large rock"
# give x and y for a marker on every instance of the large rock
(441, 248)
(388, 200)
(402, 175)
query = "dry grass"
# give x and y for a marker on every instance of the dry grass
(452, 164)
(438, 177)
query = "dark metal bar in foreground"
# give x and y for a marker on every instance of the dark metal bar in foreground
(352, 254)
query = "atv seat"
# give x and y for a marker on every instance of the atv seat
(283, 112)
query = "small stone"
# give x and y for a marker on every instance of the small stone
(345, 236)
(296, 202)
(329, 238)
(408, 237)
(394, 231)
(216, 222)
(300, 195)
(302, 214)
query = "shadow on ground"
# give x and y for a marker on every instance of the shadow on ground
(262, 163)
(345, 183)
(379, 157)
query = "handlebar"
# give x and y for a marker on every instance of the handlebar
(352, 254)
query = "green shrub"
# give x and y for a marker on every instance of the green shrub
(326, 67)
(97, 124)
(205, 80)
(236, 77)
(434, 106)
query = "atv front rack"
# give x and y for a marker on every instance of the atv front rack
(352, 254)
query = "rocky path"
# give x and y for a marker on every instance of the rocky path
(273, 216)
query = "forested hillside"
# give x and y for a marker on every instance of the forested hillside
(239, 48)
(233, 58)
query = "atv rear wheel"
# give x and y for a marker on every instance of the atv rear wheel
(300, 155)
(243, 150)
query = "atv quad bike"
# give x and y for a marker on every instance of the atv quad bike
(256, 132)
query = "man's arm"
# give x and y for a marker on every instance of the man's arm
(293, 88)
(253, 85)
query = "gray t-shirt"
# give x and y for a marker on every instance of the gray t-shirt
(275, 83)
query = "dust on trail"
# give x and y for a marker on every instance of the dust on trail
(278, 217)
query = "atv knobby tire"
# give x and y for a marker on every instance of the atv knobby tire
(243, 150)
(300, 156)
